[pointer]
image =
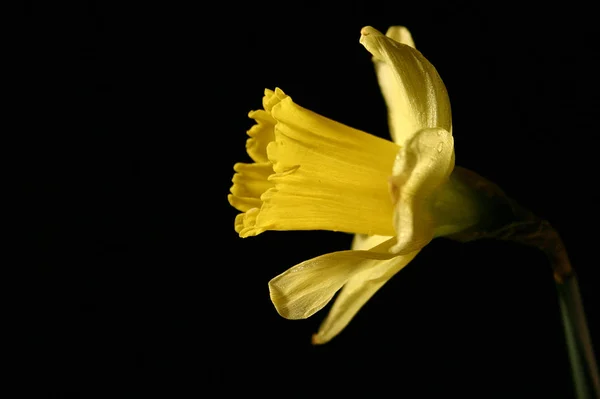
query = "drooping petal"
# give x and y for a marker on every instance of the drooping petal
(356, 292)
(304, 289)
(414, 92)
(422, 167)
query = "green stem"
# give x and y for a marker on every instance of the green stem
(503, 219)
(579, 343)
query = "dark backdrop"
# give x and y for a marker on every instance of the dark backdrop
(140, 287)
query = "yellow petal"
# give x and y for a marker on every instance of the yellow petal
(356, 292)
(305, 288)
(363, 242)
(422, 167)
(414, 92)
(400, 34)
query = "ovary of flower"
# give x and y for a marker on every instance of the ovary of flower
(310, 173)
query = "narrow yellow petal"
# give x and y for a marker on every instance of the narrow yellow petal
(363, 242)
(356, 292)
(400, 34)
(305, 288)
(414, 92)
(422, 167)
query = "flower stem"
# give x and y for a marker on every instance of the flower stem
(579, 343)
(503, 219)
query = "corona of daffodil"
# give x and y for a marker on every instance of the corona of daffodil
(312, 173)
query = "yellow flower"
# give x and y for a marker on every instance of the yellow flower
(312, 173)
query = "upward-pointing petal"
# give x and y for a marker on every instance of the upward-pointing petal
(400, 34)
(414, 92)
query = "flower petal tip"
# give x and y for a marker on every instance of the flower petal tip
(316, 340)
(369, 30)
(279, 300)
(370, 39)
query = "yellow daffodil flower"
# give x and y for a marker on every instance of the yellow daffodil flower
(312, 173)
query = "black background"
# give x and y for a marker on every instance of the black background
(138, 284)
